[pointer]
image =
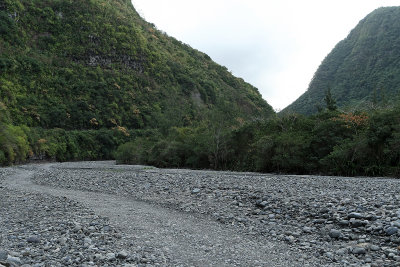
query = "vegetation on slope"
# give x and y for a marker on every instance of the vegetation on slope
(80, 66)
(363, 70)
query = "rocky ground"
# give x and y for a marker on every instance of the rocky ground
(322, 221)
(42, 230)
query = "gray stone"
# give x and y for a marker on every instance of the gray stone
(335, 233)
(33, 239)
(110, 256)
(77, 227)
(357, 223)
(319, 221)
(14, 260)
(122, 254)
(289, 239)
(355, 215)
(391, 230)
(62, 241)
(3, 255)
(341, 251)
(196, 191)
(329, 255)
(256, 212)
(87, 241)
(26, 252)
(374, 248)
(395, 239)
(98, 257)
(91, 229)
(359, 251)
(262, 204)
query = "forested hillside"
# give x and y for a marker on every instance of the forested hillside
(75, 72)
(363, 70)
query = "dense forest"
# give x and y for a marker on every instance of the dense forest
(90, 80)
(78, 78)
(330, 142)
(363, 70)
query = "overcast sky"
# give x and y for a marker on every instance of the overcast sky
(276, 45)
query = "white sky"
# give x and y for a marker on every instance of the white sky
(276, 45)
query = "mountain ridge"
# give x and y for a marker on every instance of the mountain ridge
(362, 70)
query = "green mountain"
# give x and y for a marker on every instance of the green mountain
(91, 64)
(363, 70)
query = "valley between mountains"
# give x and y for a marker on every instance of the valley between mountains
(102, 214)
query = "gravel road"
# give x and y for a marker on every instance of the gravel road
(102, 214)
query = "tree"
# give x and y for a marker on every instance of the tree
(330, 101)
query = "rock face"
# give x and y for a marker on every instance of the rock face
(336, 221)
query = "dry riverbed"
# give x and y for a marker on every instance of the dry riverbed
(102, 214)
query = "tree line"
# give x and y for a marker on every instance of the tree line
(330, 143)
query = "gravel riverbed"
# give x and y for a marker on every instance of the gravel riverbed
(319, 221)
(42, 230)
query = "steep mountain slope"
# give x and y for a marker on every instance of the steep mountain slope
(362, 70)
(89, 64)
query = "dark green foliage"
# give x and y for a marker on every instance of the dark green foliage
(14, 146)
(330, 142)
(363, 70)
(132, 152)
(277, 145)
(61, 145)
(330, 101)
(7, 25)
(203, 146)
